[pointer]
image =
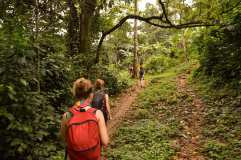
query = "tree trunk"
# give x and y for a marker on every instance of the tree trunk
(135, 60)
(184, 44)
(73, 27)
(87, 12)
(36, 40)
(79, 25)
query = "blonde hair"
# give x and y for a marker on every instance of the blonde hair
(82, 88)
(99, 84)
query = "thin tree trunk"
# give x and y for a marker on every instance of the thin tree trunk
(135, 60)
(36, 39)
(184, 44)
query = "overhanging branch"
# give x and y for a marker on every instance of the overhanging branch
(164, 12)
(149, 20)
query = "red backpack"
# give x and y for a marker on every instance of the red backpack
(82, 135)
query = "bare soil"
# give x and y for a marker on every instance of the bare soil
(122, 107)
(191, 115)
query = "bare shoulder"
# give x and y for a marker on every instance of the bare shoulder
(99, 114)
(106, 96)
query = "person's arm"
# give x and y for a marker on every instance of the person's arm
(107, 104)
(63, 126)
(102, 128)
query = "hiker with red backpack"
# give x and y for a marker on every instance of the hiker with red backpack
(101, 99)
(83, 127)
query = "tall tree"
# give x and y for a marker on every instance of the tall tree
(73, 29)
(135, 60)
(79, 25)
(87, 12)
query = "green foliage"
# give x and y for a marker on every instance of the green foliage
(159, 63)
(220, 151)
(220, 54)
(30, 118)
(56, 79)
(152, 128)
(36, 76)
(142, 114)
(216, 150)
(150, 142)
(29, 121)
(222, 122)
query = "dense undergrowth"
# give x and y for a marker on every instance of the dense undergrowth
(33, 98)
(152, 128)
(220, 57)
(218, 80)
(222, 124)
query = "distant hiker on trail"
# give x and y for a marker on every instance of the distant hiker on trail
(101, 99)
(83, 127)
(141, 76)
(130, 70)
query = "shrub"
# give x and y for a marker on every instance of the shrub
(158, 64)
(29, 122)
(220, 54)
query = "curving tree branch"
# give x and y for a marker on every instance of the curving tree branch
(166, 24)
(164, 12)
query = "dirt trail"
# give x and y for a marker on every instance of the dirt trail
(191, 115)
(122, 107)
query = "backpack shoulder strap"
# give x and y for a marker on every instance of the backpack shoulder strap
(71, 112)
(92, 110)
(100, 92)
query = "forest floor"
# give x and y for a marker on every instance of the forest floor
(121, 107)
(174, 118)
(167, 111)
(191, 116)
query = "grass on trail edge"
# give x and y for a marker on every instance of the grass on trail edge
(222, 122)
(152, 127)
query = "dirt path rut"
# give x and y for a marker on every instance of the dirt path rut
(191, 115)
(122, 107)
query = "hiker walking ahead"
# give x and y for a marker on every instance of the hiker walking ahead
(141, 76)
(83, 127)
(101, 99)
(130, 70)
